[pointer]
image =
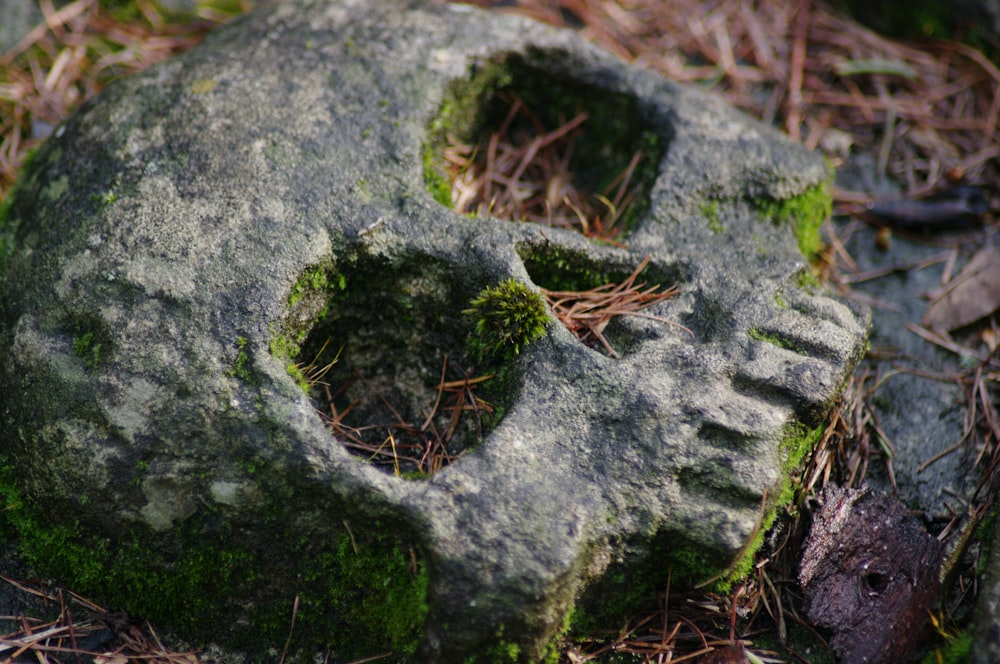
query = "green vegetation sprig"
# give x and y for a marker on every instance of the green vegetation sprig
(507, 317)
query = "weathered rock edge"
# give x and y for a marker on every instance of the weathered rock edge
(162, 231)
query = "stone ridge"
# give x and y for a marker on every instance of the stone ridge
(164, 229)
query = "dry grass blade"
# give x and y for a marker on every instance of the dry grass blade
(587, 313)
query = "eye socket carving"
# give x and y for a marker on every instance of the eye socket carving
(522, 142)
(875, 583)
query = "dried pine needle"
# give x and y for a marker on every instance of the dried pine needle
(587, 313)
(521, 179)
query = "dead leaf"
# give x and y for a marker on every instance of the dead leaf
(973, 294)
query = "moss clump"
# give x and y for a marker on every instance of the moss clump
(91, 339)
(87, 349)
(805, 213)
(507, 317)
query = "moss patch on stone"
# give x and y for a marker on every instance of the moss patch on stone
(710, 210)
(183, 592)
(804, 213)
(508, 317)
(776, 340)
(90, 338)
(360, 592)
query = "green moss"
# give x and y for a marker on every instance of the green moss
(313, 279)
(8, 222)
(956, 651)
(359, 596)
(435, 180)
(502, 652)
(104, 199)
(710, 210)
(90, 338)
(799, 441)
(807, 281)
(692, 566)
(620, 593)
(775, 340)
(127, 574)
(805, 213)
(377, 587)
(507, 317)
(85, 348)
(309, 299)
(241, 364)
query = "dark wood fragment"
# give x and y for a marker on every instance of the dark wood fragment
(869, 573)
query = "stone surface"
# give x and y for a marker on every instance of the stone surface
(270, 185)
(19, 17)
(921, 416)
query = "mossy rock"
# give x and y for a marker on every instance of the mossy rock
(207, 248)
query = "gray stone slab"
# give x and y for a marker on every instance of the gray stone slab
(268, 189)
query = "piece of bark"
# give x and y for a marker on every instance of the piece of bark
(869, 574)
(973, 294)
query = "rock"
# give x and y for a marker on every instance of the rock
(19, 17)
(205, 237)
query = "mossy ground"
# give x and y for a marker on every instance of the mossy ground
(805, 214)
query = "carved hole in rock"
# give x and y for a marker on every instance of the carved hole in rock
(515, 142)
(381, 352)
(875, 583)
(610, 308)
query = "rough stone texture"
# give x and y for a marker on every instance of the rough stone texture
(920, 416)
(163, 229)
(19, 17)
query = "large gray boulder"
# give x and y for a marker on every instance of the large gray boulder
(196, 231)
